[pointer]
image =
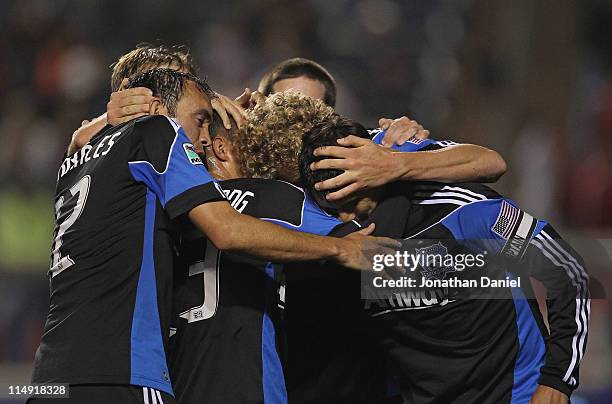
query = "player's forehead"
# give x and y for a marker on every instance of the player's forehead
(303, 84)
(195, 99)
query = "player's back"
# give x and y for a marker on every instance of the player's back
(432, 332)
(226, 306)
(112, 260)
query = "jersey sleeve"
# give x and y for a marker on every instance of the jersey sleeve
(533, 248)
(164, 160)
(413, 144)
(562, 271)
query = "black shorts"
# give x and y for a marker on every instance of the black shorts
(109, 393)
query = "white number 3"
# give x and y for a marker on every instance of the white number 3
(80, 191)
(209, 269)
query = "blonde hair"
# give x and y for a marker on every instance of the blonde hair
(270, 143)
(147, 57)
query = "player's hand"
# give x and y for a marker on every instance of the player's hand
(125, 105)
(244, 99)
(226, 107)
(400, 130)
(365, 165)
(548, 395)
(249, 99)
(357, 250)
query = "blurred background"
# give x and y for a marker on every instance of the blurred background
(528, 78)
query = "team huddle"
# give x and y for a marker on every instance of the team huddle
(209, 250)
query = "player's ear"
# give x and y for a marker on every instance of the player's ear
(220, 148)
(156, 107)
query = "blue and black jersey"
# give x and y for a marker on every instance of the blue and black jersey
(114, 253)
(227, 345)
(449, 347)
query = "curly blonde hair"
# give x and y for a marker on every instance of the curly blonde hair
(270, 143)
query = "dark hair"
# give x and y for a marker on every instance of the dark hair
(299, 67)
(169, 85)
(326, 133)
(146, 57)
(217, 128)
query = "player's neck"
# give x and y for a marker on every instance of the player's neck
(220, 171)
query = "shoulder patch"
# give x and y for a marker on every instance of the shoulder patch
(516, 227)
(506, 220)
(191, 154)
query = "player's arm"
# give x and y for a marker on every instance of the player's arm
(83, 135)
(531, 247)
(233, 231)
(124, 105)
(368, 165)
(552, 261)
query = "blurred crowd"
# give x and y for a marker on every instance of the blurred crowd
(424, 59)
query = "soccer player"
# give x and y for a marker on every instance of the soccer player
(226, 308)
(128, 104)
(117, 201)
(449, 347)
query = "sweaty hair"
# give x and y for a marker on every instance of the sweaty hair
(299, 67)
(271, 140)
(146, 57)
(325, 133)
(216, 128)
(168, 85)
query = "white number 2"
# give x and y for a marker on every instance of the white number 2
(209, 268)
(80, 190)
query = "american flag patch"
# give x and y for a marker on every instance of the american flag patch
(506, 220)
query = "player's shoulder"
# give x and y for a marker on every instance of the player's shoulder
(266, 198)
(154, 123)
(432, 193)
(267, 187)
(433, 202)
(156, 134)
